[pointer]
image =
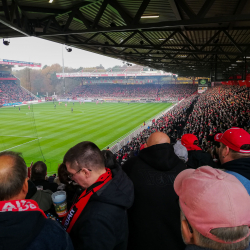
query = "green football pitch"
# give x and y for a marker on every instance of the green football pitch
(46, 133)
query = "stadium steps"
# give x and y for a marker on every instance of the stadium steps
(27, 91)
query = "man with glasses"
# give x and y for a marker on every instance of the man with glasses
(97, 218)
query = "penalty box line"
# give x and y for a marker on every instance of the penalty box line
(21, 144)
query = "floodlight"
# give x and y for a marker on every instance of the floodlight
(7, 43)
(68, 49)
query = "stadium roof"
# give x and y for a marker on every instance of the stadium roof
(188, 37)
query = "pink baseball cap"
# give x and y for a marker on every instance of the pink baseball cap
(211, 198)
(234, 138)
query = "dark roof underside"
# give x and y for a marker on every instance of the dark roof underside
(189, 38)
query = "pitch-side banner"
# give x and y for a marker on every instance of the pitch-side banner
(20, 63)
(59, 75)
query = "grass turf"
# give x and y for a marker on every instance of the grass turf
(46, 133)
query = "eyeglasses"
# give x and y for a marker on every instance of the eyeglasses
(71, 175)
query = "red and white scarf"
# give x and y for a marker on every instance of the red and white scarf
(77, 208)
(20, 206)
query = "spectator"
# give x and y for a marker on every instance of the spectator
(181, 151)
(71, 188)
(23, 225)
(109, 159)
(214, 210)
(98, 219)
(38, 175)
(154, 217)
(234, 154)
(42, 197)
(196, 157)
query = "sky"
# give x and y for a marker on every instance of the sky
(33, 49)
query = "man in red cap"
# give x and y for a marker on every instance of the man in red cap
(234, 154)
(196, 157)
(214, 210)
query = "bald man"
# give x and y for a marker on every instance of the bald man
(23, 225)
(154, 221)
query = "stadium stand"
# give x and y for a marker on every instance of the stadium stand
(172, 92)
(205, 115)
(11, 92)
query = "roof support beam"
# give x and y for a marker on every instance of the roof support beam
(176, 12)
(96, 34)
(166, 24)
(82, 18)
(188, 40)
(140, 12)
(145, 38)
(109, 38)
(186, 8)
(128, 38)
(13, 26)
(211, 39)
(100, 13)
(126, 17)
(6, 10)
(232, 41)
(166, 40)
(240, 6)
(69, 20)
(47, 26)
(205, 8)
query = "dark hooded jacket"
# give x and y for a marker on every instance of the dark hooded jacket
(154, 219)
(103, 224)
(198, 158)
(29, 230)
(240, 168)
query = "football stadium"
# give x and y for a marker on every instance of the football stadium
(150, 150)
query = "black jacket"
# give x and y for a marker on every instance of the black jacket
(198, 158)
(154, 219)
(46, 185)
(103, 222)
(29, 230)
(240, 166)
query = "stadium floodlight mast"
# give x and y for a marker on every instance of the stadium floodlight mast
(6, 42)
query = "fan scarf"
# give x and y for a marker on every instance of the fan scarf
(77, 208)
(20, 206)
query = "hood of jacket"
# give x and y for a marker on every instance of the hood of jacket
(160, 157)
(31, 190)
(240, 166)
(19, 229)
(119, 191)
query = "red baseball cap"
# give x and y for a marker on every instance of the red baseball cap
(188, 139)
(234, 138)
(211, 198)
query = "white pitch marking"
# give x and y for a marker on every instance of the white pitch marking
(19, 136)
(21, 144)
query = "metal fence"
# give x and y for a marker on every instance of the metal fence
(122, 141)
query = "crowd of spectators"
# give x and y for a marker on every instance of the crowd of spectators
(203, 115)
(10, 92)
(150, 195)
(176, 91)
(143, 91)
